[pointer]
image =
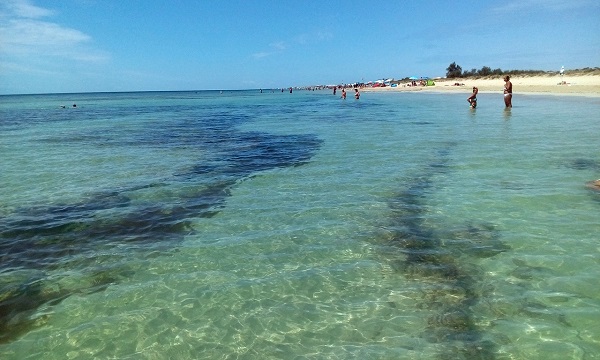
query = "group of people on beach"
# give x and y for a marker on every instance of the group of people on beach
(507, 94)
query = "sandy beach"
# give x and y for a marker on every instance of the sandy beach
(575, 85)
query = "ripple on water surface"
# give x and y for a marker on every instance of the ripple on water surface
(185, 225)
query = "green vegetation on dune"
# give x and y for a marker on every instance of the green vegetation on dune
(455, 71)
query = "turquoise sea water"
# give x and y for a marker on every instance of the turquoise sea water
(201, 225)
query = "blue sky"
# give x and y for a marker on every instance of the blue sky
(49, 46)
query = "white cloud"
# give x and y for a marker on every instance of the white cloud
(23, 8)
(23, 33)
(260, 55)
(279, 45)
(33, 33)
(313, 37)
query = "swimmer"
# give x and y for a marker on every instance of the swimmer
(356, 94)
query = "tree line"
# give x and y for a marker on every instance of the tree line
(456, 71)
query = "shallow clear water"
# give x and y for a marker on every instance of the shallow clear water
(245, 225)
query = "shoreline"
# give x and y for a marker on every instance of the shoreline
(582, 85)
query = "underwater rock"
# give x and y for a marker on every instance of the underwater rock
(584, 164)
(59, 236)
(527, 272)
(593, 185)
(480, 241)
(440, 261)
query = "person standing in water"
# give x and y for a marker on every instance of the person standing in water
(344, 94)
(473, 98)
(356, 94)
(507, 92)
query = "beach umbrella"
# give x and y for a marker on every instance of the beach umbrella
(413, 78)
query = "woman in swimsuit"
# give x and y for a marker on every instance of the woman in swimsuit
(473, 98)
(507, 92)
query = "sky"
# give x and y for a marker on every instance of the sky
(62, 46)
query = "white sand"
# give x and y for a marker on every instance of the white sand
(583, 85)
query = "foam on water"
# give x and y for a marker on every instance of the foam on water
(246, 225)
